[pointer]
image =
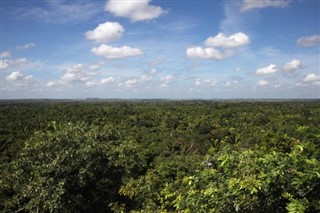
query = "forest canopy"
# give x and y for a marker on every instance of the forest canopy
(160, 156)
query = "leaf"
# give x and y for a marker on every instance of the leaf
(297, 206)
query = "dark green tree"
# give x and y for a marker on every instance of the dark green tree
(71, 168)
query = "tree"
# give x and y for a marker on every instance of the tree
(252, 181)
(71, 168)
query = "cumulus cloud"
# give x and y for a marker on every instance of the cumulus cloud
(309, 41)
(76, 74)
(312, 78)
(232, 83)
(145, 78)
(110, 52)
(167, 78)
(135, 82)
(292, 65)
(258, 4)
(263, 83)
(267, 70)
(14, 76)
(96, 66)
(163, 85)
(75, 68)
(130, 83)
(51, 84)
(232, 41)
(9, 63)
(219, 46)
(90, 84)
(19, 79)
(106, 32)
(207, 53)
(134, 10)
(26, 46)
(5, 54)
(71, 78)
(107, 80)
(205, 82)
(3, 64)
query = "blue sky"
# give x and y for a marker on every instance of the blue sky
(160, 49)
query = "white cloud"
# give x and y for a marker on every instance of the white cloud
(17, 61)
(3, 64)
(145, 78)
(107, 80)
(309, 41)
(135, 82)
(153, 72)
(232, 83)
(75, 68)
(263, 83)
(258, 4)
(51, 84)
(60, 12)
(90, 84)
(26, 46)
(134, 10)
(207, 53)
(167, 78)
(96, 65)
(277, 86)
(267, 70)
(76, 74)
(130, 83)
(14, 76)
(72, 78)
(205, 82)
(19, 79)
(163, 86)
(312, 78)
(5, 54)
(221, 41)
(292, 65)
(106, 32)
(115, 52)
(232, 41)
(8, 63)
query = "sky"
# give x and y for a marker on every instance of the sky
(175, 49)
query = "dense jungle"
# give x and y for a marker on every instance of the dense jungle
(159, 156)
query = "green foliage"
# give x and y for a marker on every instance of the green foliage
(176, 156)
(71, 168)
(297, 206)
(253, 181)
